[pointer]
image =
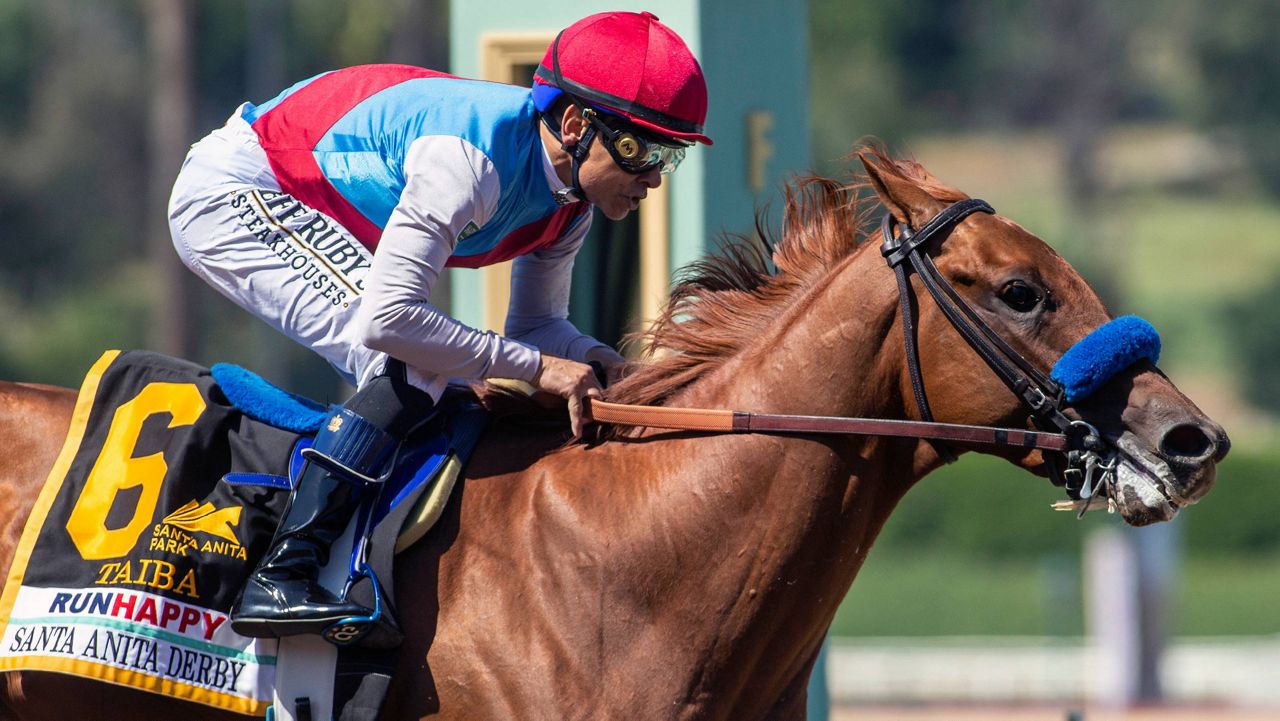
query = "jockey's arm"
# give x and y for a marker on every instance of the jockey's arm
(449, 183)
(538, 313)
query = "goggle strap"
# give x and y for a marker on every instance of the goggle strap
(577, 154)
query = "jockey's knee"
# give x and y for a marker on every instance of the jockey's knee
(390, 402)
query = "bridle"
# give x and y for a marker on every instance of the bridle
(1042, 396)
(1081, 461)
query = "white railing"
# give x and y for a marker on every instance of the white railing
(1244, 671)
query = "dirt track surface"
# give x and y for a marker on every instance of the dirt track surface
(1021, 713)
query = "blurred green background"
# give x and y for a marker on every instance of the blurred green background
(1141, 139)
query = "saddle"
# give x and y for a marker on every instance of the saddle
(407, 506)
(409, 503)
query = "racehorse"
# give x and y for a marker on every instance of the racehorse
(654, 574)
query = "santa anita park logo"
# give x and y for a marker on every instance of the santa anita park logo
(199, 528)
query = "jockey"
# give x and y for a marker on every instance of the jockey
(330, 211)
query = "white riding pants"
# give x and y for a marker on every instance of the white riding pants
(288, 264)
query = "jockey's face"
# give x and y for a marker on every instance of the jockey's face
(613, 190)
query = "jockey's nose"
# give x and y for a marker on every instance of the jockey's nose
(651, 178)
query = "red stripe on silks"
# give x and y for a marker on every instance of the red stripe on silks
(525, 239)
(290, 131)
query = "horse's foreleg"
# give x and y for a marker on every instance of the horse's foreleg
(794, 703)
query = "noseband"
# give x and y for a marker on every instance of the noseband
(1083, 461)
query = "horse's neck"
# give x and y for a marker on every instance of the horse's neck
(793, 518)
(825, 354)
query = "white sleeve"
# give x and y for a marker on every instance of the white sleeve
(449, 184)
(539, 310)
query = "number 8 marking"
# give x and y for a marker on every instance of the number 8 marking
(116, 470)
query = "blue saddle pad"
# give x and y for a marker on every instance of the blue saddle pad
(260, 400)
(456, 431)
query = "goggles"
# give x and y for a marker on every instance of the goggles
(634, 152)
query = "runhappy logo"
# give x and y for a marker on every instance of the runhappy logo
(322, 253)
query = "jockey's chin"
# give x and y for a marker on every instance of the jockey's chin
(613, 190)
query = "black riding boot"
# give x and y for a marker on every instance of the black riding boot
(283, 597)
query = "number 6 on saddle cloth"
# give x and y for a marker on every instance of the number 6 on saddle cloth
(395, 510)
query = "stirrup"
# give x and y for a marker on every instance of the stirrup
(348, 631)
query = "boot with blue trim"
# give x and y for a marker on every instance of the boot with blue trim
(283, 597)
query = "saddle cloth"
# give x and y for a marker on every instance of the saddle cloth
(136, 548)
(161, 502)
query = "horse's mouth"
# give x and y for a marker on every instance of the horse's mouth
(1141, 492)
(1143, 487)
(1148, 489)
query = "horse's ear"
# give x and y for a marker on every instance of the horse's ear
(908, 202)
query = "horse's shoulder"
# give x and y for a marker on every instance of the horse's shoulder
(35, 410)
(37, 396)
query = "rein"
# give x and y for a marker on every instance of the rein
(726, 421)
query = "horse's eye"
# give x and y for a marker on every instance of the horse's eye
(1019, 296)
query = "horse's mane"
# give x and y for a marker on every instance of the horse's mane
(722, 302)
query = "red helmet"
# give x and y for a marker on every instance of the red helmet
(632, 65)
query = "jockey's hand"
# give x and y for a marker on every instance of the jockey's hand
(614, 364)
(570, 380)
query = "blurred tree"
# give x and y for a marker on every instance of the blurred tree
(169, 47)
(69, 138)
(1235, 48)
(22, 44)
(82, 187)
(72, 199)
(857, 78)
(1257, 335)
(420, 34)
(1086, 42)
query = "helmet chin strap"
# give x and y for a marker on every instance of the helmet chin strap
(577, 155)
(578, 151)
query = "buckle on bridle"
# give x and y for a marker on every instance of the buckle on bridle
(1087, 436)
(1088, 471)
(1038, 401)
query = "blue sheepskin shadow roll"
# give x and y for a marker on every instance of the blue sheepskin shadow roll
(1099, 356)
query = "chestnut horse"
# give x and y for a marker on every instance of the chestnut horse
(679, 575)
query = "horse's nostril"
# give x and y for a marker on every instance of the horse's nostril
(1224, 445)
(1187, 441)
